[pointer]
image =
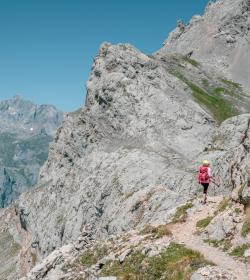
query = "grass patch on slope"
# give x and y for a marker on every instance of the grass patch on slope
(175, 263)
(91, 257)
(156, 232)
(231, 83)
(226, 202)
(245, 230)
(220, 108)
(212, 99)
(224, 244)
(181, 213)
(240, 250)
(204, 222)
(191, 61)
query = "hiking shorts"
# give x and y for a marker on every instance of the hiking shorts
(205, 187)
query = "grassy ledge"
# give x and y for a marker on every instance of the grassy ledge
(231, 84)
(175, 263)
(224, 244)
(181, 213)
(223, 205)
(156, 232)
(213, 101)
(191, 61)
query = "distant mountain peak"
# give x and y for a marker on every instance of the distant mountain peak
(20, 115)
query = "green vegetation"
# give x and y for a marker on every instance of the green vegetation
(175, 263)
(192, 61)
(90, 257)
(220, 108)
(226, 202)
(181, 213)
(231, 83)
(241, 191)
(240, 250)
(237, 210)
(224, 244)
(156, 232)
(204, 222)
(246, 225)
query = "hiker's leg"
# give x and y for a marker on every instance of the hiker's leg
(205, 192)
(205, 198)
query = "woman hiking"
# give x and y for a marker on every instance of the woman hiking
(205, 176)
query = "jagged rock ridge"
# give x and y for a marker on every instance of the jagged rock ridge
(220, 39)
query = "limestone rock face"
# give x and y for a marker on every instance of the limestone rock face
(130, 156)
(213, 273)
(229, 153)
(219, 38)
(121, 160)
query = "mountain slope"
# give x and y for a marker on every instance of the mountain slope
(25, 133)
(129, 157)
(220, 39)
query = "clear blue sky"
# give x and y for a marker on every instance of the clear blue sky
(47, 46)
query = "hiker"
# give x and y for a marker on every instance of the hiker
(205, 176)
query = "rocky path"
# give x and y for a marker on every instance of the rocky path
(186, 233)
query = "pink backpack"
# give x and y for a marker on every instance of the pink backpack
(203, 174)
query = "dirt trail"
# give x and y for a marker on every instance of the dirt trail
(184, 233)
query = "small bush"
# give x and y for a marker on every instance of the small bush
(240, 250)
(204, 222)
(237, 210)
(91, 257)
(181, 213)
(88, 258)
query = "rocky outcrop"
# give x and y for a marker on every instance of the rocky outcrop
(213, 273)
(219, 38)
(25, 133)
(120, 161)
(129, 157)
